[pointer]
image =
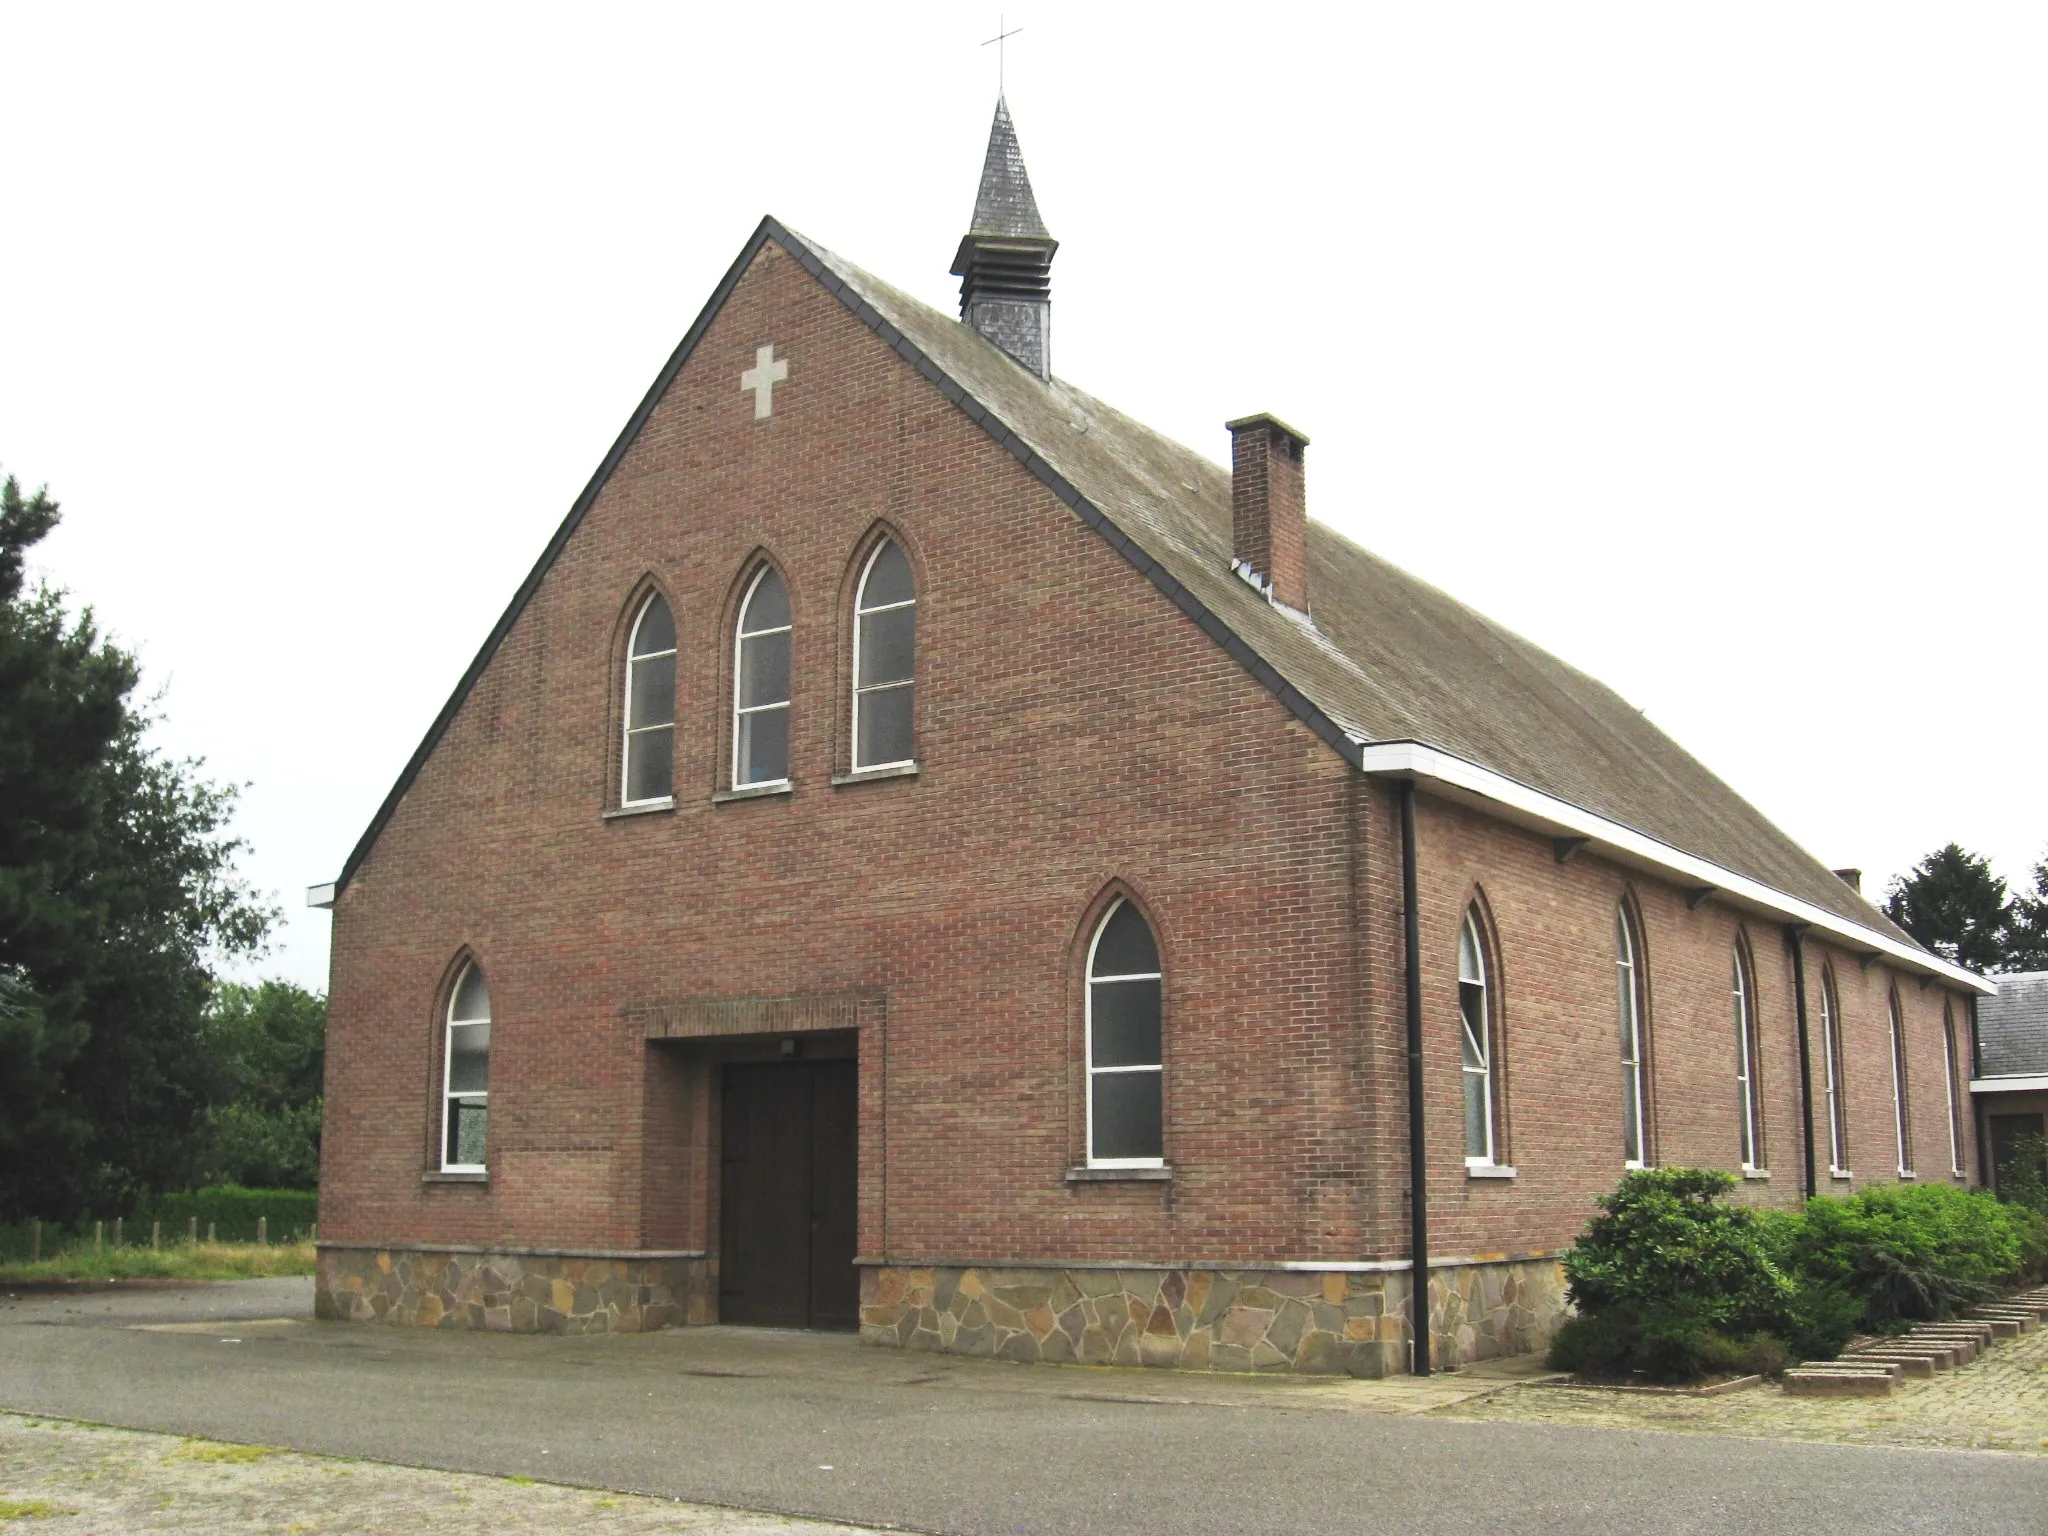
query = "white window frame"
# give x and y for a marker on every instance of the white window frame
(1472, 935)
(1831, 1055)
(1951, 1080)
(629, 729)
(742, 634)
(448, 1093)
(1902, 1109)
(860, 611)
(1744, 990)
(1088, 1044)
(1629, 985)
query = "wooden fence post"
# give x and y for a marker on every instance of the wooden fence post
(35, 1242)
(99, 1230)
(263, 1229)
(209, 1232)
(117, 1232)
(156, 1234)
(192, 1229)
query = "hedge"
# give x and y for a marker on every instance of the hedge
(231, 1210)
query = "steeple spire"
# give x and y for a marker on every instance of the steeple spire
(1005, 260)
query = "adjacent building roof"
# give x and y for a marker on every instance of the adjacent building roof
(2012, 1028)
(1385, 657)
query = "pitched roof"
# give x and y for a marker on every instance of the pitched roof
(2012, 1028)
(1387, 657)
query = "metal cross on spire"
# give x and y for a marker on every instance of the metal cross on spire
(1002, 32)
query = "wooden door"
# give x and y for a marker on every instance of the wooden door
(787, 1193)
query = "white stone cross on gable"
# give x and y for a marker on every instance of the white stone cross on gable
(767, 372)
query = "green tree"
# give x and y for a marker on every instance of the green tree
(268, 1043)
(2026, 925)
(117, 892)
(1954, 905)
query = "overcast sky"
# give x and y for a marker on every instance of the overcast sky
(1703, 345)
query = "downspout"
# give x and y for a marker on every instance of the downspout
(1418, 1180)
(1795, 940)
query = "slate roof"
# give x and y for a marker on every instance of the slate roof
(2012, 1028)
(1003, 204)
(1387, 657)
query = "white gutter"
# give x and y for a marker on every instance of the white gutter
(2010, 1083)
(1425, 764)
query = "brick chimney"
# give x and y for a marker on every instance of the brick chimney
(1268, 508)
(1852, 878)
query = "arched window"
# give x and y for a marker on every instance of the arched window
(884, 660)
(1475, 1013)
(1629, 1000)
(1951, 1074)
(1749, 1102)
(650, 757)
(466, 1073)
(760, 725)
(1831, 1055)
(1902, 1110)
(1124, 1064)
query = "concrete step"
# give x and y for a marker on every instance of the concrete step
(2009, 1327)
(1908, 1364)
(1837, 1380)
(1961, 1348)
(1946, 1353)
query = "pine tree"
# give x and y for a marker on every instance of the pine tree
(2026, 925)
(1954, 905)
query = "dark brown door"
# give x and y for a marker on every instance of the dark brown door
(786, 1227)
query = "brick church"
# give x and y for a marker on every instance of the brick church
(923, 853)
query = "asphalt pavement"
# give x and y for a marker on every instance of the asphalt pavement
(819, 1425)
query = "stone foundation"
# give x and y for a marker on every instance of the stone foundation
(512, 1292)
(1310, 1321)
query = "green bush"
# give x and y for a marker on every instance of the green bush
(1902, 1253)
(1671, 1283)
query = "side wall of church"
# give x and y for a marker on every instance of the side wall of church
(1077, 736)
(1554, 987)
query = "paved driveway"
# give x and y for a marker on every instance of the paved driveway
(820, 1426)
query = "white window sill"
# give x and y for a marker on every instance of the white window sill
(753, 792)
(870, 775)
(1633, 1165)
(1158, 1173)
(1763, 1175)
(456, 1176)
(1489, 1171)
(641, 808)
(1840, 1175)
(1907, 1175)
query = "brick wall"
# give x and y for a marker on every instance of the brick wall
(1077, 737)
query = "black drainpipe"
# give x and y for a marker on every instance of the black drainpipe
(1418, 1182)
(1795, 940)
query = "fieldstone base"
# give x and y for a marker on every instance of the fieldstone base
(512, 1292)
(1484, 1311)
(1317, 1322)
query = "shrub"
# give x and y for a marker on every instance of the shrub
(1669, 1282)
(232, 1211)
(1902, 1252)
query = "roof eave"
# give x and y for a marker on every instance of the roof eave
(1460, 780)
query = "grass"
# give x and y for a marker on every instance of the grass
(32, 1509)
(198, 1261)
(208, 1450)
